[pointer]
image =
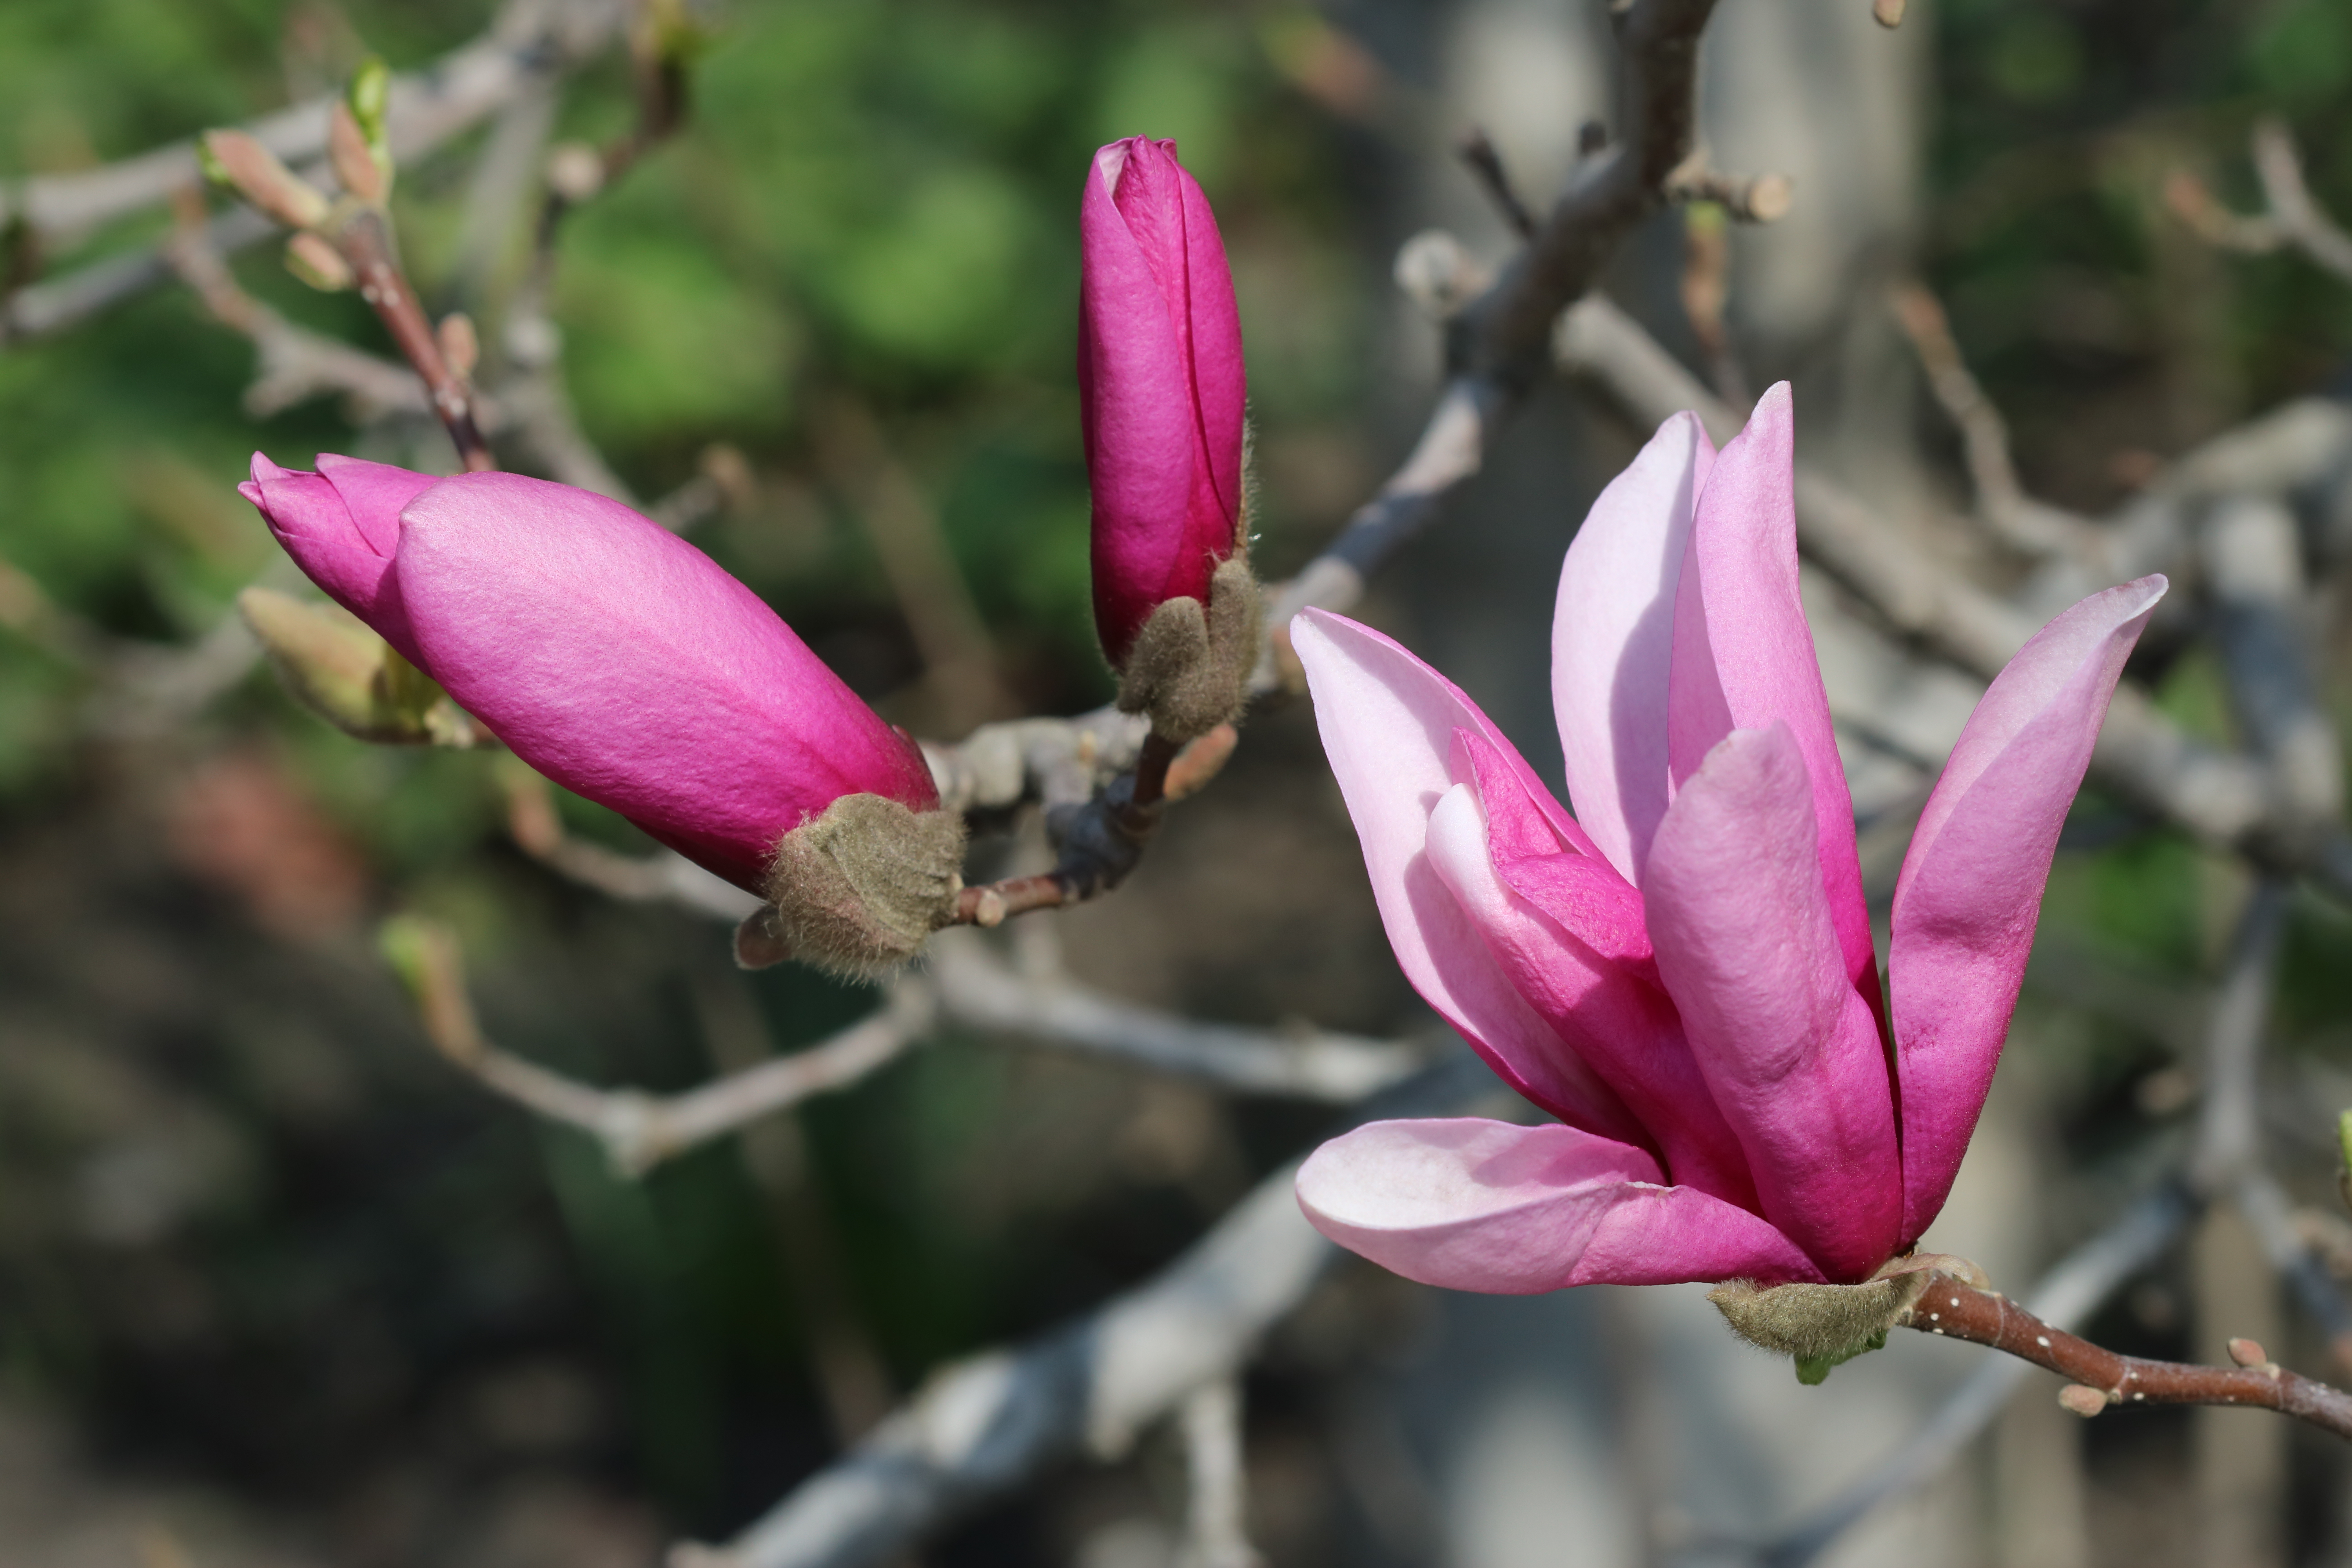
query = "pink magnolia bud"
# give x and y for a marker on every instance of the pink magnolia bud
(1160, 385)
(609, 654)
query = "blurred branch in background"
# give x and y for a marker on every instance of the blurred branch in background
(991, 1423)
(2290, 219)
(530, 41)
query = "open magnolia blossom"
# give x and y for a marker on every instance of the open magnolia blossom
(1683, 972)
(1162, 396)
(630, 667)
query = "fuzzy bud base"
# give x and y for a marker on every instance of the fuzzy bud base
(857, 889)
(1190, 667)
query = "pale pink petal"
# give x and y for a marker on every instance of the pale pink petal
(1484, 1205)
(1743, 656)
(626, 665)
(1388, 723)
(1790, 1051)
(1970, 891)
(1612, 641)
(1567, 931)
(308, 518)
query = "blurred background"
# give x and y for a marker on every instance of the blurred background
(278, 1286)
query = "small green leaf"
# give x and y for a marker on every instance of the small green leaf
(1812, 1370)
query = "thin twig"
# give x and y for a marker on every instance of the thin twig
(2019, 521)
(1496, 346)
(1958, 1310)
(531, 42)
(640, 1131)
(2292, 217)
(979, 991)
(2067, 1295)
(364, 239)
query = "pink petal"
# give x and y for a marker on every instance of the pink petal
(1160, 385)
(374, 493)
(1567, 931)
(308, 515)
(1484, 1205)
(1790, 1051)
(1970, 891)
(626, 665)
(1388, 723)
(1612, 641)
(1743, 656)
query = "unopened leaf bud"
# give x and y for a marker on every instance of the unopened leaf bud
(369, 97)
(355, 162)
(349, 677)
(1888, 12)
(243, 164)
(321, 265)
(460, 346)
(2083, 1399)
(2248, 1352)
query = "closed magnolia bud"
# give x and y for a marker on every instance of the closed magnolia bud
(1161, 390)
(626, 665)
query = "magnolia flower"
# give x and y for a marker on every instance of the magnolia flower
(612, 656)
(1683, 972)
(1161, 389)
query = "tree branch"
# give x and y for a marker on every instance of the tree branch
(989, 1424)
(1961, 1311)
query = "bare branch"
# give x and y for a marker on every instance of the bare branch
(530, 41)
(2019, 521)
(1961, 1311)
(1498, 345)
(979, 991)
(1215, 1532)
(2293, 217)
(640, 1131)
(987, 1425)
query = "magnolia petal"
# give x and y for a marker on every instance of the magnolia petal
(1484, 1205)
(1970, 891)
(1612, 641)
(1388, 723)
(309, 518)
(1790, 1051)
(375, 494)
(1567, 933)
(1743, 656)
(626, 665)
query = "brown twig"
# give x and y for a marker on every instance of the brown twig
(2292, 217)
(364, 239)
(1960, 1311)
